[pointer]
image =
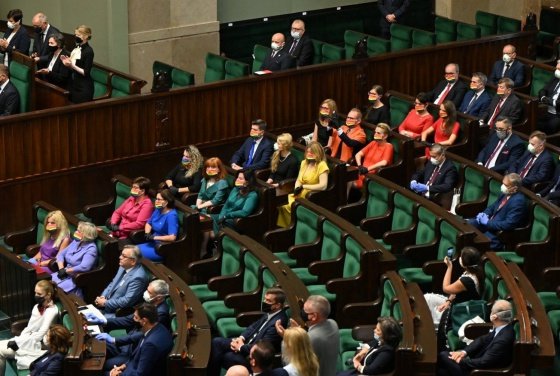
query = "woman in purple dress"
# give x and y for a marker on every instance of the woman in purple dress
(56, 237)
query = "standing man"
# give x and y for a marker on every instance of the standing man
(450, 88)
(391, 12)
(508, 67)
(549, 122)
(279, 59)
(477, 99)
(9, 96)
(299, 44)
(256, 151)
(43, 31)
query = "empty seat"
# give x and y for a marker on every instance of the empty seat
(401, 37)
(352, 37)
(488, 22)
(422, 38)
(467, 31)
(181, 78)
(236, 69)
(215, 68)
(259, 54)
(20, 76)
(331, 53)
(508, 25)
(446, 30)
(120, 87)
(101, 82)
(376, 46)
(317, 51)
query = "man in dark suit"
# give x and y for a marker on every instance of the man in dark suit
(279, 59)
(256, 151)
(43, 31)
(508, 67)
(151, 345)
(299, 44)
(549, 122)
(437, 179)
(392, 12)
(536, 164)
(493, 350)
(9, 96)
(227, 352)
(507, 213)
(505, 103)
(477, 99)
(450, 88)
(502, 149)
(552, 191)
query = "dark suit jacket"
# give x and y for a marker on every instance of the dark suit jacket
(489, 352)
(127, 322)
(20, 42)
(480, 104)
(512, 109)
(445, 180)
(553, 197)
(40, 47)
(261, 157)
(281, 61)
(379, 359)
(303, 52)
(396, 7)
(267, 333)
(541, 171)
(149, 357)
(511, 216)
(515, 72)
(511, 152)
(548, 89)
(9, 100)
(455, 95)
(60, 74)
(47, 364)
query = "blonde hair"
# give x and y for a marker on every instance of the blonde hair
(62, 229)
(196, 160)
(317, 149)
(330, 103)
(84, 30)
(286, 140)
(298, 351)
(88, 230)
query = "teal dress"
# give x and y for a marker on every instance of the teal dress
(217, 193)
(236, 206)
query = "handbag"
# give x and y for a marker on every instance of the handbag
(462, 312)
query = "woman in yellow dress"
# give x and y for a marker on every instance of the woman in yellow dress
(313, 176)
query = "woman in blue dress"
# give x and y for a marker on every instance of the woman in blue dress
(163, 225)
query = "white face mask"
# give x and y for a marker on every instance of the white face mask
(275, 146)
(504, 189)
(434, 161)
(275, 46)
(557, 73)
(147, 298)
(11, 25)
(506, 58)
(531, 149)
(295, 34)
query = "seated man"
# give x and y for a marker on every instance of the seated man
(493, 350)
(450, 88)
(502, 149)
(126, 289)
(9, 96)
(507, 213)
(505, 104)
(508, 67)
(299, 44)
(477, 99)
(151, 344)
(536, 164)
(437, 179)
(256, 151)
(349, 138)
(549, 122)
(552, 191)
(279, 59)
(227, 352)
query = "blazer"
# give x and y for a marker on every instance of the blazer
(20, 42)
(268, 333)
(261, 157)
(480, 104)
(396, 7)
(47, 365)
(379, 359)
(540, 172)
(281, 61)
(127, 322)
(511, 152)
(40, 47)
(512, 108)
(126, 289)
(325, 340)
(150, 355)
(489, 352)
(455, 95)
(9, 100)
(548, 91)
(445, 180)
(303, 52)
(516, 72)
(60, 73)
(512, 215)
(553, 197)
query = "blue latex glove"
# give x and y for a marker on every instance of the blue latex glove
(92, 319)
(105, 337)
(483, 220)
(421, 188)
(413, 185)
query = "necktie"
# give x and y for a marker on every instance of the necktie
(251, 152)
(273, 54)
(487, 164)
(258, 330)
(527, 167)
(443, 95)
(506, 68)
(496, 113)
(471, 102)
(502, 203)
(435, 174)
(42, 38)
(293, 47)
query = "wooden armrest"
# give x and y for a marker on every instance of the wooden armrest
(437, 270)
(19, 240)
(18, 326)
(225, 285)
(214, 209)
(327, 270)
(471, 209)
(262, 174)
(32, 250)
(363, 333)
(421, 253)
(306, 253)
(243, 301)
(473, 331)
(167, 249)
(189, 198)
(137, 236)
(354, 212)
(100, 212)
(362, 313)
(400, 238)
(203, 270)
(551, 278)
(245, 319)
(376, 226)
(281, 239)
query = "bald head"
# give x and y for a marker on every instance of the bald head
(237, 371)
(40, 21)
(502, 313)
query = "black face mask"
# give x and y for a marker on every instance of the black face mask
(79, 40)
(304, 315)
(52, 49)
(38, 29)
(266, 307)
(39, 300)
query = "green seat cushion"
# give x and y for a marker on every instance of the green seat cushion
(467, 31)
(511, 257)
(352, 37)
(203, 293)
(446, 30)
(415, 275)
(332, 53)
(554, 319)
(120, 87)
(508, 25)
(317, 51)
(20, 77)
(181, 78)
(550, 300)
(228, 328)
(305, 276)
(454, 342)
(422, 38)
(377, 46)
(259, 54)
(215, 68)
(286, 259)
(488, 22)
(401, 37)
(321, 290)
(235, 69)
(216, 309)
(348, 347)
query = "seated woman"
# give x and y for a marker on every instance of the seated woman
(378, 356)
(58, 341)
(163, 226)
(284, 165)
(418, 119)
(313, 176)
(242, 201)
(298, 354)
(134, 211)
(80, 256)
(56, 237)
(186, 176)
(467, 287)
(376, 154)
(28, 343)
(446, 127)
(376, 112)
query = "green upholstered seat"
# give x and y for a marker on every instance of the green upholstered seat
(426, 233)
(181, 78)
(401, 37)
(20, 76)
(377, 46)
(347, 348)
(236, 69)
(317, 51)
(403, 215)
(539, 80)
(378, 199)
(121, 87)
(101, 82)
(467, 31)
(554, 320)
(352, 37)
(398, 108)
(423, 38)
(550, 300)
(446, 30)
(508, 25)
(215, 68)
(474, 185)
(488, 22)
(259, 54)
(332, 53)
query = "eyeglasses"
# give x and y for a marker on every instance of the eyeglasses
(128, 257)
(351, 118)
(296, 29)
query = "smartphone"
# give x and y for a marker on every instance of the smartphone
(450, 252)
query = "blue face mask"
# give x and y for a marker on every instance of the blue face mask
(377, 337)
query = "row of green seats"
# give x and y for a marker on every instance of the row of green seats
(221, 68)
(179, 77)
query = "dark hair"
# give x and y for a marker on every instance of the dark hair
(250, 178)
(168, 196)
(390, 330)
(451, 111)
(143, 183)
(60, 339)
(279, 294)
(261, 123)
(471, 262)
(263, 354)
(59, 39)
(16, 14)
(147, 311)
(422, 98)
(378, 89)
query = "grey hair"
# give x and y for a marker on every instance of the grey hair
(515, 179)
(320, 304)
(160, 287)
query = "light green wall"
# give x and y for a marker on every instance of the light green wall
(108, 20)
(237, 10)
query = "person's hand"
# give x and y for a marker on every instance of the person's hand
(42, 71)
(444, 306)
(391, 18)
(447, 262)
(93, 319)
(357, 363)
(100, 301)
(105, 337)
(174, 190)
(457, 356)
(363, 170)
(66, 60)
(421, 188)
(279, 328)
(117, 370)
(62, 274)
(114, 227)
(12, 345)
(482, 218)
(236, 166)
(297, 190)
(413, 185)
(149, 236)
